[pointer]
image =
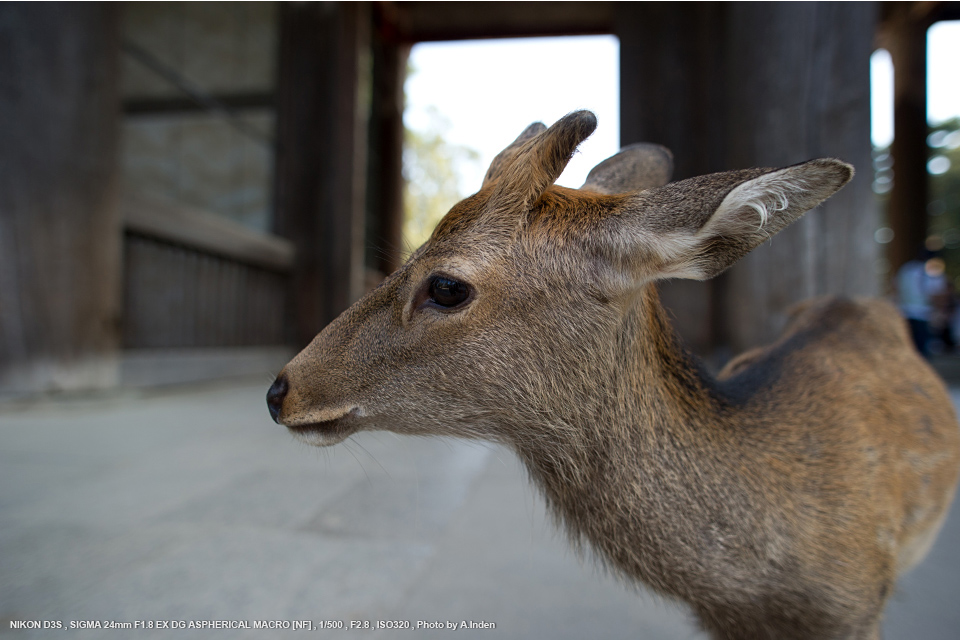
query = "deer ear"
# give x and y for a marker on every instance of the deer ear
(636, 167)
(505, 157)
(539, 162)
(697, 228)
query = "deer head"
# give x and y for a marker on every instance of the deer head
(515, 305)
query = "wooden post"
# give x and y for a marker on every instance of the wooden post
(670, 80)
(385, 175)
(760, 84)
(799, 88)
(670, 84)
(904, 34)
(60, 237)
(322, 115)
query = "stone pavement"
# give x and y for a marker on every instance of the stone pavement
(190, 505)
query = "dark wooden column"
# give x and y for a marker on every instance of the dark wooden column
(671, 93)
(59, 208)
(385, 174)
(799, 77)
(904, 34)
(671, 77)
(322, 115)
(761, 84)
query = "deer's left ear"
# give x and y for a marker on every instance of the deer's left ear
(636, 167)
(697, 228)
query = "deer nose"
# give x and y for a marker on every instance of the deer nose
(276, 394)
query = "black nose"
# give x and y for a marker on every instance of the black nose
(276, 394)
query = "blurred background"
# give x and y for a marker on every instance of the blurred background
(190, 191)
(193, 190)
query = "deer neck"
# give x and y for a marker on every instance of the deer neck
(620, 477)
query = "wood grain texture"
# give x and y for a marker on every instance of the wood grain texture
(321, 161)
(738, 85)
(59, 213)
(804, 92)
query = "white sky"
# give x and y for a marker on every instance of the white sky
(490, 90)
(943, 71)
(881, 98)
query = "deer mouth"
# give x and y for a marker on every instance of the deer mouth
(323, 433)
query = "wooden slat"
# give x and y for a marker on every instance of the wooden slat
(179, 297)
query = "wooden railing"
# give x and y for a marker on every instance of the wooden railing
(195, 279)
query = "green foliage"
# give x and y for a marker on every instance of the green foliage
(431, 178)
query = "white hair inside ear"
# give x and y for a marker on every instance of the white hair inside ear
(765, 196)
(751, 213)
(697, 228)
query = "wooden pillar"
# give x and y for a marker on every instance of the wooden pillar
(385, 173)
(760, 84)
(904, 34)
(670, 80)
(59, 208)
(322, 117)
(799, 82)
(670, 93)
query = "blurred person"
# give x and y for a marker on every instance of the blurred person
(943, 315)
(921, 283)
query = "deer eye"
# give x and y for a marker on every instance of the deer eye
(447, 293)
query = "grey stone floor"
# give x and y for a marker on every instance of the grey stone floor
(190, 505)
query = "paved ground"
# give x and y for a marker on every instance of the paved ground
(191, 505)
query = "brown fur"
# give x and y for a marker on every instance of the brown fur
(780, 500)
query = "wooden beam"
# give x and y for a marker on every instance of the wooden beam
(432, 21)
(179, 105)
(208, 232)
(59, 202)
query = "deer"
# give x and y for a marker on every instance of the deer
(779, 498)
